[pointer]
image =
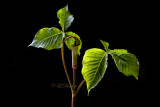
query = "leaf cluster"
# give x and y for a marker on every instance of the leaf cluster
(95, 61)
(95, 64)
(51, 38)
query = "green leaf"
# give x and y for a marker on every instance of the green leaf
(118, 51)
(127, 63)
(71, 41)
(106, 45)
(48, 38)
(94, 67)
(65, 18)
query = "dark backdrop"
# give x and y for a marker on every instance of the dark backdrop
(36, 77)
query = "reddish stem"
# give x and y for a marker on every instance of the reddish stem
(74, 77)
(65, 69)
(68, 38)
(73, 101)
(74, 96)
(79, 87)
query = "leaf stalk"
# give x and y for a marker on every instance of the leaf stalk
(65, 69)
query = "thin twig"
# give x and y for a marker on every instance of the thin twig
(66, 39)
(69, 38)
(63, 60)
(79, 87)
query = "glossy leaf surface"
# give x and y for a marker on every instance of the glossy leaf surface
(48, 38)
(94, 67)
(127, 63)
(105, 44)
(118, 51)
(65, 18)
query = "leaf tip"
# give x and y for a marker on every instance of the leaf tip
(105, 44)
(66, 6)
(32, 44)
(136, 77)
(101, 41)
(29, 45)
(88, 92)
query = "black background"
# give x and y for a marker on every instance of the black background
(28, 73)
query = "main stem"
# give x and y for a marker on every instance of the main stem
(74, 96)
(74, 67)
(74, 64)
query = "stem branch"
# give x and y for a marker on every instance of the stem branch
(79, 87)
(63, 60)
(74, 66)
(73, 101)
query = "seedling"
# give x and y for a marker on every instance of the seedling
(94, 60)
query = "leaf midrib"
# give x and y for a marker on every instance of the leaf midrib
(49, 37)
(120, 57)
(98, 69)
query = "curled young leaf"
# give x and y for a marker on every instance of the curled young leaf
(73, 40)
